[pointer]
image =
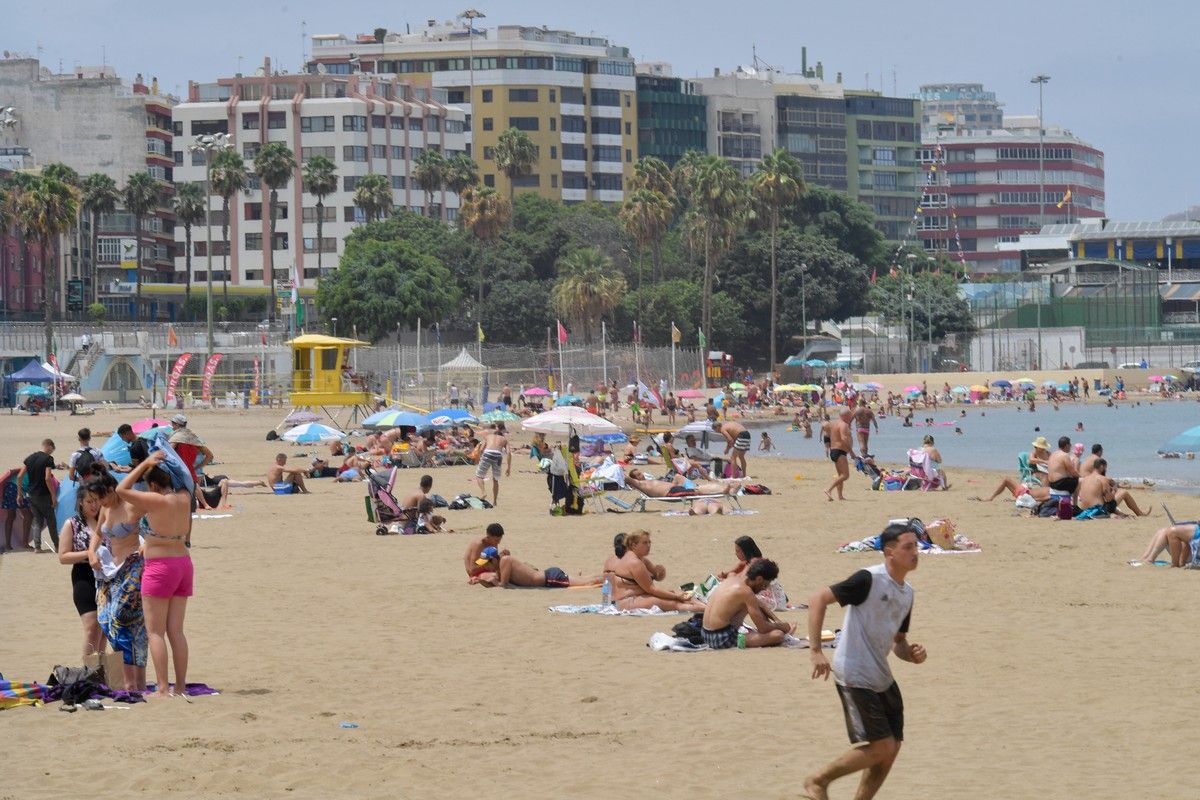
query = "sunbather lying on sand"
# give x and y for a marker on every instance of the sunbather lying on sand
(488, 565)
(678, 486)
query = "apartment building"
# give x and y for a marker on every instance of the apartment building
(959, 107)
(574, 95)
(670, 114)
(365, 124)
(858, 142)
(94, 122)
(986, 190)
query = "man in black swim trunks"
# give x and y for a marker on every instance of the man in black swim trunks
(738, 441)
(841, 445)
(488, 565)
(734, 599)
(1063, 470)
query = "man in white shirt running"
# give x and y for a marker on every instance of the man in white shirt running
(878, 605)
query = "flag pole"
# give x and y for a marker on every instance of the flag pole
(604, 349)
(703, 370)
(672, 355)
(437, 327)
(637, 358)
(420, 379)
(562, 377)
(399, 364)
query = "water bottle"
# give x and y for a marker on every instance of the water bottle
(741, 640)
(606, 593)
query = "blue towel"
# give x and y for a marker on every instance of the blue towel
(173, 464)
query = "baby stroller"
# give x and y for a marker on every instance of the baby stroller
(382, 507)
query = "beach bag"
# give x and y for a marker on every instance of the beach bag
(690, 629)
(78, 683)
(1066, 509)
(941, 533)
(1048, 509)
(756, 488)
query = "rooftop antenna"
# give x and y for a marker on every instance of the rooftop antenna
(303, 44)
(895, 90)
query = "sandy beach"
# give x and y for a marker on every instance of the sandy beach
(1055, 670)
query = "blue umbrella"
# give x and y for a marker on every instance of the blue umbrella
(116, 451)
(611, 438)
(1064, 387)
(1186, 442)
(34, 391)
(1003, 384)
(794, 361)
(494, 407)
(395, 418)
(457, 416)
(569, 400)
(313, 432)
(815, 362)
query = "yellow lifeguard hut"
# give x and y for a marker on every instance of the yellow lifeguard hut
(322, 375)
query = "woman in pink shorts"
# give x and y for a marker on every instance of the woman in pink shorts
(167, 579)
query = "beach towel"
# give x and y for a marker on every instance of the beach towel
(961, 545)
(613, 611)
(14, 693)
(665, 642)
(211, 516)
(734, 512)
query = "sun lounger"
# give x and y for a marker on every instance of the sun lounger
(639, 502)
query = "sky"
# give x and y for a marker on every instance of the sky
(1120, 72)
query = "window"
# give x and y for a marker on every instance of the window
(252, 211)
(329, 152)
(569, 65)
(961, 178)
(553, 151)
(328, 244)
(574, 125)
(606, 125)
(487, 95)
(353, 214)
(399, 181)
(178, 158)
(316, 124)
(487, 123)
(416, 124)
(397, 123)
(379, 151)
(250, 149)
(434, 125)
(1009, 221)
(489, 153)
(198, 158)
(606, 97)
(574, 152)
(489, 180)
(398, 152)
(353, 152)
(327, 213)
(351, 122)
(574, 180)
(177, 128)
(276, 120)
(378, 121)
(554, 123)
(628, 156)
(253, 241)
(200, 127)
(553, 96)
(606, 181)
(863, 128)
(573, 95)
(281, 241)
(602, 152)
(885, 181)
(523, 96)
(250, 122)
(527, 181)
(454, 126)
(350, 182)
(415, 152)
(456, 97)
(253, 182)
(553, 181)
(628, 128)
(523, 123)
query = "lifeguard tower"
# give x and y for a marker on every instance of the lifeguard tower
(322, 376)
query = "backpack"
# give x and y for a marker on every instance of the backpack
(1066, 509)
(690, 629)
(84, 462)
(756, 488)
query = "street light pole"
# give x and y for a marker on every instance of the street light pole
(803, 306)
(470, 15)
(1041, 81)
(209, 144)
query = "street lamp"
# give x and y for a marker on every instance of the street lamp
(912, 311)
(803, 306)
(1041, 81)
(470, 15)
(209, 144)
(334, 321)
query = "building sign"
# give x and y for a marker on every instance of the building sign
(129, 254)
(75, 294)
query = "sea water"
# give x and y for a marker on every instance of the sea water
(993, 435)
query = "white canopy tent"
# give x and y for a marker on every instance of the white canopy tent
(463, 362)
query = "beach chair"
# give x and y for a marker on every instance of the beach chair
(920, 465)
(1028, 475)
(639, 502)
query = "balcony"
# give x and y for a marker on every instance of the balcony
(729, 126)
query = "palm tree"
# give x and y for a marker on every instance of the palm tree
(374, 196)
(189, 203)
(653, 174)
(775, 185)
(587, 288)
(646, 215)
(485, 213)
(461, 173)
(140, 197)
(320, 180)
(430, 173)
(717, 195)
(100, 196)
(685, 168)
(274, 165)
(228, 176)
(46, 209)
(515, 156)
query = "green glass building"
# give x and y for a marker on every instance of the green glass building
(671, 118)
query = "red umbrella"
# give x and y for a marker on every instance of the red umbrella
(691, 394)
(143, 425)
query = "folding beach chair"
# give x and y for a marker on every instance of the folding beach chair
(920, 465)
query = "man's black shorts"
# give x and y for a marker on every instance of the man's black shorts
(870, 715)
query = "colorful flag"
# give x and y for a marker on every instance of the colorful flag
(676, 335)
(257, 380)
(874, 274)
(562, 333)
(296, 304)
(173, 378)
(1066, 199)
(210, 369)
(172, 338)
(478, 333)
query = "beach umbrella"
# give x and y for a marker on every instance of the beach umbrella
(566, 419)
(73, 397)
(150, 433)
(300, 416)
(1064, 387)
(1047, 383)
(33, 391)
(810, 387)
(499, 415)
(691, 394)
(1165, 378)
(840, 385)
(1003, 384)
(1029, 381)
(143, 425)
(873, 386)
(789, 387)
(1186, 442)
(815, 362)
(609, 438)
(979, 388)
(494, 406)
(735, 386)
(960, 390)
(395, 418)
(458, 416)
(699, 426)
(1156, 379)
(313, 432)
(569, 400)
(911, 389)
(536, 391)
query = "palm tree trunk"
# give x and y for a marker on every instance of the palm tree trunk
(187, 292)
(774, 286)
(706, 306)
(95, 260)
(271, 255)
(47, 294)
(225, 262)
(320, 238)
(479, 301)
(658, 270)
(137, 268)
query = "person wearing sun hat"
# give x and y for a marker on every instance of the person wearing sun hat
(1040, 456)
(190, 447)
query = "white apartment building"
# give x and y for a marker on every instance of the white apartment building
(364, 124)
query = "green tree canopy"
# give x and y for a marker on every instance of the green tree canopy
(384, 284)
